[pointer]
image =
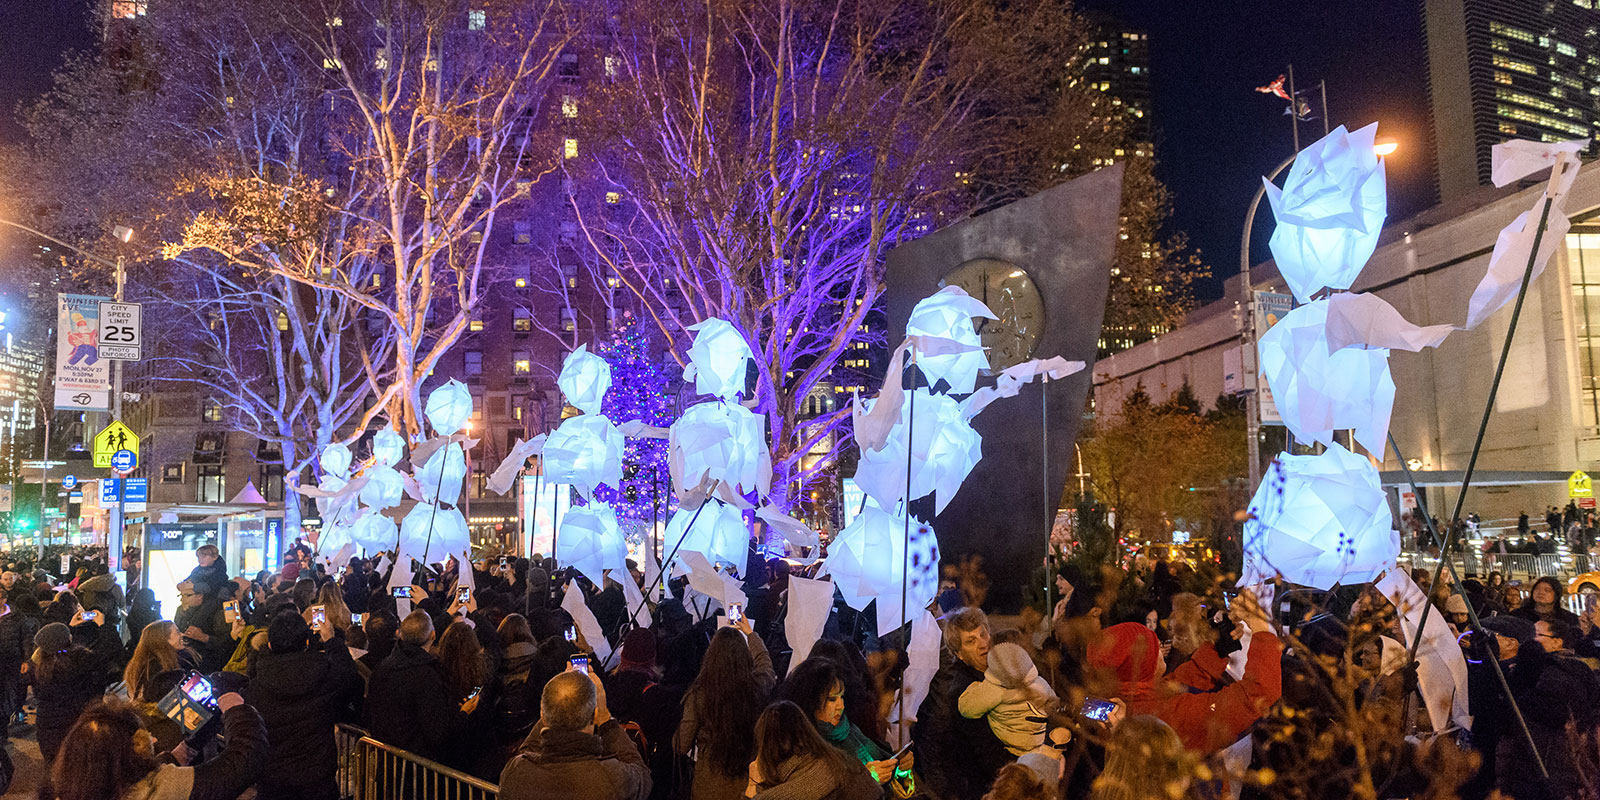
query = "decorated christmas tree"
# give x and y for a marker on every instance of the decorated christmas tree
(639, 388)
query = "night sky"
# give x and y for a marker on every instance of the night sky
(1214, 135)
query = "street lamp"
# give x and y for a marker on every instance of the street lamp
(1382, 147)
(122, 234)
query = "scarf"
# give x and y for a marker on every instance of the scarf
(850, 739)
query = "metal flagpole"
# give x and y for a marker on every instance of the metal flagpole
(905, 551)
(1294, 110)
(1049, 515)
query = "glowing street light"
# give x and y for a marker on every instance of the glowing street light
(1385, 146)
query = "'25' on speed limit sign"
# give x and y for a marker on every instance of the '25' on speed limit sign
(121, 337)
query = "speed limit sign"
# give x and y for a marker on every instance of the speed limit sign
(121, 337)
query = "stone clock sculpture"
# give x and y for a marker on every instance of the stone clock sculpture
(1042, 265)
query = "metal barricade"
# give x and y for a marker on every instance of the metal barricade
(372, 770)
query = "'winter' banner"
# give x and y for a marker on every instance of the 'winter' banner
(83, 378)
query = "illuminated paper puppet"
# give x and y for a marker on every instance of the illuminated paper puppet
(1319, 520)
(1329, 212)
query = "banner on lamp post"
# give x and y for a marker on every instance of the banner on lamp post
(1269, 308)
(83, 377)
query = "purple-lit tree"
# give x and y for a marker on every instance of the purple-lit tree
(758, 160)
(639, 390)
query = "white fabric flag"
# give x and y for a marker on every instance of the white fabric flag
(634, 598)
(1441, 668)
(921, 665)
(810, 602)
(584, 619)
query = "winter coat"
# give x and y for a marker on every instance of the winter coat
(1552, 691)
(1012, 697)
(710, 782)
(634, 697)
(16, 644)
(409, 706)
(222, 778)
(102, 592)
(956, 755)
(301, 696)
(213, 577)
(64, 689)
(573, 765)
(1206, 714)
(803, 778)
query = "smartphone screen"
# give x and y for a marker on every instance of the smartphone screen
(474, 692)
(581, 664)
(355, 619)
(92, 616)
(735, 613)
(571, 634)
(198, 689)
(462, 593)
(402, 591)
(319, 617)
(1096, 709)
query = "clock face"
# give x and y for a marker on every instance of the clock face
(1008, 291)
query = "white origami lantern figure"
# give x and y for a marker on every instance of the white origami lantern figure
(332, 538)
(723, 442)
(1318, 392)
(585, 451)
(1320, 520)
(947, 314)
(945, 450)
(385, 487)
(374, 532)
(431, 534)
(719, 534)
(719, 359)
(1329, 211)
(590, 542)
(868, 561)
(449, 407)
(335, 461)
(585, 378)
(388, 448)
(441, 477)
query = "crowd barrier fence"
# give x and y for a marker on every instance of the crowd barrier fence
(372, 770)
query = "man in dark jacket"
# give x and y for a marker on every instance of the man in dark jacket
(408, 704)
(959, 756)
(1552, 691)
(300, 693)
(16, 644)
(576, 751)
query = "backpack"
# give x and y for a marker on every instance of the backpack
(514, 714)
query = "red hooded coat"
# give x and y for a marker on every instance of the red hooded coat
(1206, 715)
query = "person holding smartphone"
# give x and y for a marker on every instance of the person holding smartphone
(302, 692)
(576, 750)
(409, 705)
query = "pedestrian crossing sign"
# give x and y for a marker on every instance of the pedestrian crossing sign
(116, 436)
(1578, 485)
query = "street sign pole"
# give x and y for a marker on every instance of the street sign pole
(123, 462)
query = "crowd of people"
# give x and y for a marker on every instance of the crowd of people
(1145, 682)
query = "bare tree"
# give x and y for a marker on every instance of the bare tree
(758, 160)
(422, 130)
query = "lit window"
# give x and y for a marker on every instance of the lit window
(380, 62)
(1105, 60)
(475, 325)
(569, 107)
(611, 66)
(283, 321)
(522, 283)
(431, 65)
(522, 324)
(613, 198)
(613, 281)
(522, 231)
(520, 365)
(472, 363)
(129, 9)
(336, 22)
(330, 63)
(477, 19)
(569, 148)
(211, 412)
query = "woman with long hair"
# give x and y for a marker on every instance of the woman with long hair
(467, 671)
(331, 598)
(816, 685)
(159, 650)
(65, 678)
(1144, 761)
(109, 755)
(1544, 603)
(793, 762)
(720, 709)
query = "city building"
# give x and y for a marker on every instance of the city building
(1508, 69)
(1117, 62)
(1546, 420)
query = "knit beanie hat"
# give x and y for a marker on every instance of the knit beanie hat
(639, 650)
(53, 638)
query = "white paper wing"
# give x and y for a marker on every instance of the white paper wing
(1509, 261)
